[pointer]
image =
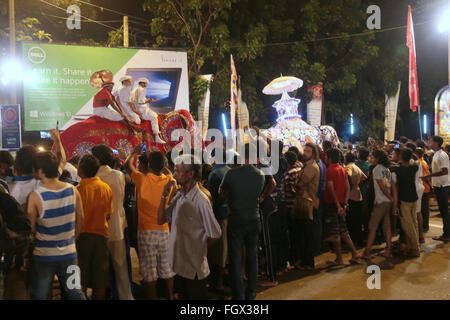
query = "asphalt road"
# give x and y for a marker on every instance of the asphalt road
(426, 277)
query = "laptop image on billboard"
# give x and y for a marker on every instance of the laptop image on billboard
(163, 85)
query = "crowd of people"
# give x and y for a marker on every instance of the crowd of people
(200, 228)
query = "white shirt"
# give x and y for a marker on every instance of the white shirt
(419, 183)
(123, 95)
(380, 172)
(21, 187)
(192, 223)
(139, 96)
(73, 171)
(116, 181)
(440, 161)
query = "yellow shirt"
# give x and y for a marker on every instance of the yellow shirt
(96, 197)
(150, 188)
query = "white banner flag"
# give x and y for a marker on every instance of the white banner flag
(391, 115)
(203, 108)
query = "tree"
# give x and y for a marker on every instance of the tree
(27, 28)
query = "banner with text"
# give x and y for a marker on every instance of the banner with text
(314, 108)
(11, 138)
(56, 80)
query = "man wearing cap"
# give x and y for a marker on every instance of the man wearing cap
(141, 102)
(103, 99)
(123, 96)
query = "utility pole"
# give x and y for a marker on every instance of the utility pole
(12, 44)
(125, 32)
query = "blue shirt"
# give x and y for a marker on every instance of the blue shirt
(322, 183)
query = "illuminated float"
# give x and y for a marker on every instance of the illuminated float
(290, 128)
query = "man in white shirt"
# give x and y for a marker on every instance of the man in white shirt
(193, 227)
(142, 104)
(440, 180)
(117, 223)
(123, 96)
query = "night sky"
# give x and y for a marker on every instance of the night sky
(431, 46)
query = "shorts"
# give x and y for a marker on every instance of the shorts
(335, 225)
(153, 246)
(93, 260)
(381, 212)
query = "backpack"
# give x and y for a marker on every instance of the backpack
(15, 232)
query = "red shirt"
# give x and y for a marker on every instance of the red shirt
(338, 175)
(101, 98)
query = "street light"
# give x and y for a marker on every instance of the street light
(12, 71)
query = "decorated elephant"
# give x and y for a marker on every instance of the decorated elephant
(79, 138)
(293, 131)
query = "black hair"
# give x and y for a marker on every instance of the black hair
(156, 161)
(406, 154)
(411, 146)
(143, 160)
(48, 162)
(350, 157)
(104, 155)
(116, 164)
(398, 151)
(421, 144)
(447, 148)
(291, 157)
(403, 140)
(89, 165)
(382, 157)
(334, 155)
(363, 153)
(6, 158)
(438, 140)
(65, 175)
(327, 145)
(419, 152)
(24, 160)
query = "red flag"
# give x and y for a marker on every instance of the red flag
(413, 81)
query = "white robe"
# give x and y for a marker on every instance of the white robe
(139, 97)
(123, 96)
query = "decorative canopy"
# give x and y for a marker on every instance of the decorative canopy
(283, 84)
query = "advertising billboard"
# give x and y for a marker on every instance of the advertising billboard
(56, 80)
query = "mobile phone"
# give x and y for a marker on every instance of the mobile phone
(397, 146)
(45, 135)
(115, 152)
(144, 148)
(354, 146)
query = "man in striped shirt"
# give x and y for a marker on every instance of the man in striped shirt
(56, 215)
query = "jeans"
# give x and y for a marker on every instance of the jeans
(42, 274)
(442, 194)
(243, 234)
(355, 221)
(426, 210)
(318, 229)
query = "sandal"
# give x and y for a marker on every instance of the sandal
(333, 263)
